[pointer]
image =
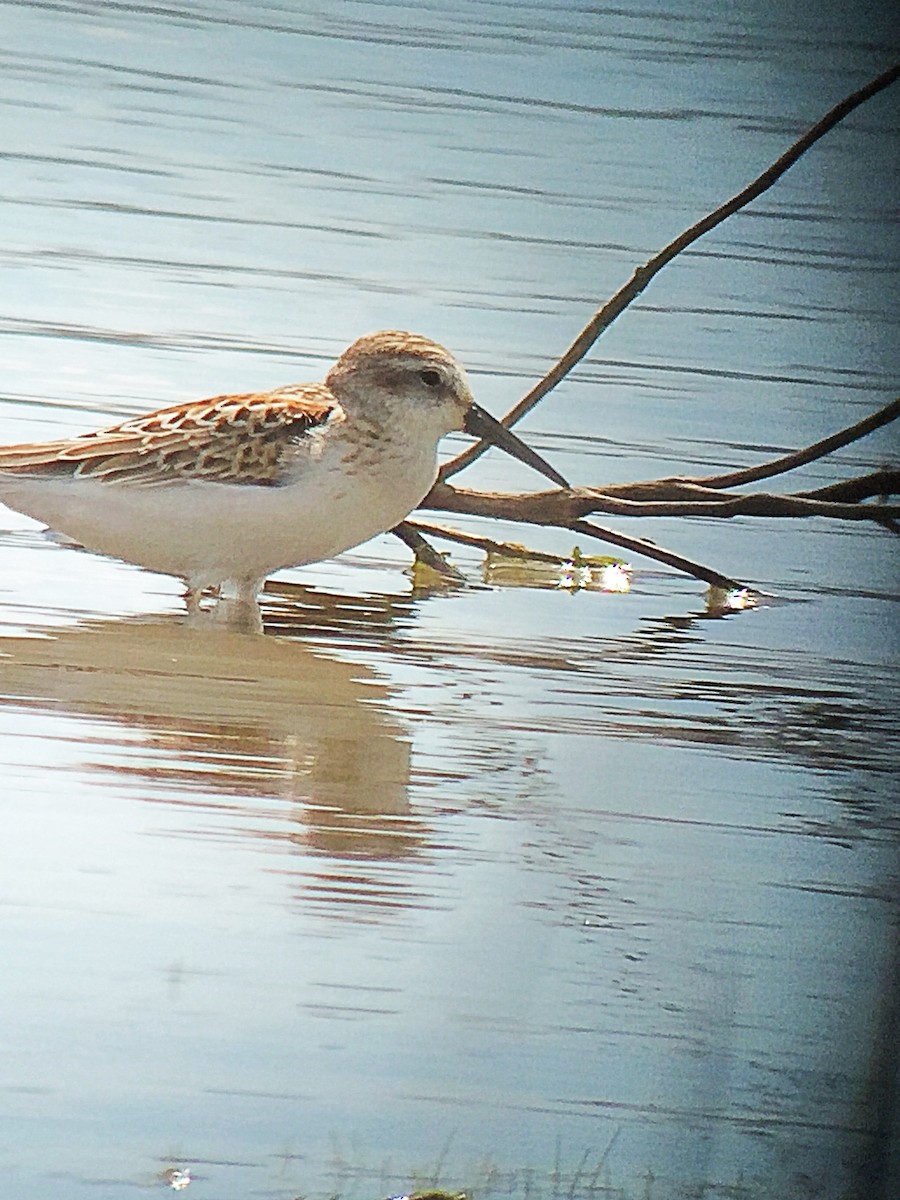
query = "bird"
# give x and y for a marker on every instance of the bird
(223, 492)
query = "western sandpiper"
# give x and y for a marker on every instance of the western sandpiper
(223, 492)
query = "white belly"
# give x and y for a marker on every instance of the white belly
(210, 533)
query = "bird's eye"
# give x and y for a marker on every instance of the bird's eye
(430, 378)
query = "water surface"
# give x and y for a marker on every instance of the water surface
(513, 890)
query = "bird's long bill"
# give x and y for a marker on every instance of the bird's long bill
(480, 424)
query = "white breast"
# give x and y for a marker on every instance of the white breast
(210, 532)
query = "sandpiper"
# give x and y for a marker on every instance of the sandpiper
(223, 492)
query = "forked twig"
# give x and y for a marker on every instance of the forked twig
(702, 495)
(566, 509)
(676, 498)
(617, 304)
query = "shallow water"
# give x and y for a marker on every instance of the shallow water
(531, 893)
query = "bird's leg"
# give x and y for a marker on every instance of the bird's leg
(191, 598)
(193, 595)
(245, 591)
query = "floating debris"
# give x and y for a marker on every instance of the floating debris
(434, 1194)
(517, 567)
(722, 600)
(177, 1178)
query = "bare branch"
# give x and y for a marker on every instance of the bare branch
(700, 496)
(411, 536)
(563, 507)
(635, 545)
(657, 553)
(488, 545)
(643, 274)
(799, 458)
(876, 483)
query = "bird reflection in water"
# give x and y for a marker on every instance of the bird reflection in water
(297, 745)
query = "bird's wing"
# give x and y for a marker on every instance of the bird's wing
(228, 439)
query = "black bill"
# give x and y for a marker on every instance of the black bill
(480, 424)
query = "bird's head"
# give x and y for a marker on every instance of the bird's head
(404, 377)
